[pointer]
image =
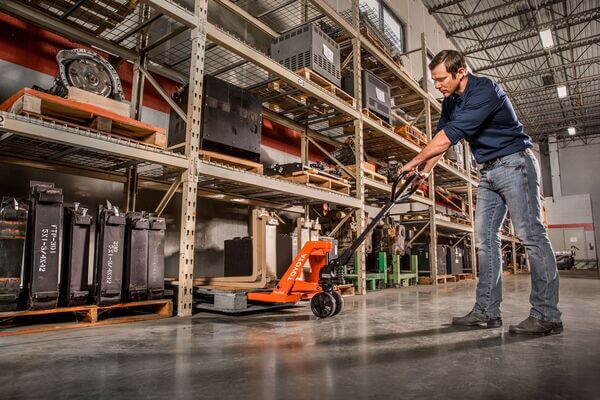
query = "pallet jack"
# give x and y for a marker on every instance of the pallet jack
(320, 284)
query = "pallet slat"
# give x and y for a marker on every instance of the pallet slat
(319, 181)
(88, 116)
(86, 316)
(368, 173)
(232, 161)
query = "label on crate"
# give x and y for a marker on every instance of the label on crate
(1, 121)
(328, 53)
(380, 94)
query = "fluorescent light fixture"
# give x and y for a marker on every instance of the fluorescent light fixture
(571, 130)
(546, 37)
(562, 91)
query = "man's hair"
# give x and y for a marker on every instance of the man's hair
(452, 59)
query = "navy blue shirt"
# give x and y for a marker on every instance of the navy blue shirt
(484, 116)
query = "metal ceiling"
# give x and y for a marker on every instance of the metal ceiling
(501, 40)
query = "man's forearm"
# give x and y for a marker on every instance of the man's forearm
(429, 164)
(434, 149)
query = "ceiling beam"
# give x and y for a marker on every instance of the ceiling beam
(540, 72)
(446, 4)
(529, 91)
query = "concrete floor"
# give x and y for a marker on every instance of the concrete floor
(389, 345)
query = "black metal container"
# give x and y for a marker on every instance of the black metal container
(135, 274)
(109, 255)
(156, 258)
(43, 248)
(13, 227)
(74, 288)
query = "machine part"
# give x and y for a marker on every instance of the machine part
(238, 257)
(442, 259)
(323, 305)
(390, 171)
(467, 267)
(44, 239)
(344, 153)
(74, 288)
(135, 270)
(455, 260)
(231, 119)
(109, 257)
(156, 258)
(327, 273)
(88, 71)
(308, 46)
(264, 257)
(376, 93)
(284, 169)
(13, 228)
(285, 252)
(421, 250)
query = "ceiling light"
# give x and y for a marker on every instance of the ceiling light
(562, 91)
(546, 37)
(571, 130)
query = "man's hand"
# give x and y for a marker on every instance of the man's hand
(434, 149)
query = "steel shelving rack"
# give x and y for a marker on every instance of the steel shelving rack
(182, 42)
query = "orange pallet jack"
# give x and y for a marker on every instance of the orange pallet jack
(320, 284)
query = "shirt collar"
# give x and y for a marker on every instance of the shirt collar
(470, 79)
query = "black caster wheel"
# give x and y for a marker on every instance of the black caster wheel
(323, 305)
(339, 303)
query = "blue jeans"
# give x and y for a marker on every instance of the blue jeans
(513, 183)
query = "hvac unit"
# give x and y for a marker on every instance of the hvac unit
(308, 46)
(376, 94)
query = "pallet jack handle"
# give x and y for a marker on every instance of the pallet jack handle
(400, 192)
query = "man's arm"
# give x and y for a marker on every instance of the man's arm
(430, 154)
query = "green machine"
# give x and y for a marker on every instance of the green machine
(384, 278)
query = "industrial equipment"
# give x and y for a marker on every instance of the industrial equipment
(231, 119)
(135, 270)
(156, 257)
(88, 71)
(308, 46)
(376, 93)
(455, 260)
(74, 288)
(320, 283)
(110, 242)
(13, 227)
(44, 238)
(442, 259)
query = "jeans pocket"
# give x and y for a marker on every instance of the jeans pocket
(513, 160)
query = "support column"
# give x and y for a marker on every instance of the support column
(431, 181)
(470, 205)
(190, 176)
(360, 266)
(554, 166)
(137, 87)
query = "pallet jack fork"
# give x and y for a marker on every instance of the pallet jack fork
(320, 284)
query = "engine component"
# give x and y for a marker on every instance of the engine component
(85, 70)
(156, 258)
(308, 46)
(421, 250)
(110, 241)
(135, 271)
(231, 119)
(344, 153)
(44, 240)
(376, 94)
(13, 227)
(455, 260)
(442, 259)
(74, 288)
(238, 258)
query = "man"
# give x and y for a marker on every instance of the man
(476, 109)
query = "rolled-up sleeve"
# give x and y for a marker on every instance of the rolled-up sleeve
(472, 116)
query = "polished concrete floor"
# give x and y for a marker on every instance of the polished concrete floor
(393, 344)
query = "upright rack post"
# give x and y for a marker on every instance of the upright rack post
(471, 212)
(359, 155)
(431, 182)
(190, 175)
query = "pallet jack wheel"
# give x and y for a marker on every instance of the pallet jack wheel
(339, 303)
(323, 305)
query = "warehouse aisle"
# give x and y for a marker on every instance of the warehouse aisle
(392, 344)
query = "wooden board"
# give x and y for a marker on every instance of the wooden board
(70, 112)
(367, 113)
(311, 76)
(93, 99)
(85, 316)
(319, 181)
(427, 280)
(346, 290)
(412, 134)
(463, 277)
(368, 174)
(232, 161)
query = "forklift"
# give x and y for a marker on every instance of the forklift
(320, 284)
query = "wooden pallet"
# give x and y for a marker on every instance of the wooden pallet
(377, 43)
(368, 174)
(81, 115)
(367, 113)
(231, 161)
(427, 280)
(411, 134)
(463, 277)
(34, 321)
(319, 181)
(346, 290)
(311, 76)
(460, 221)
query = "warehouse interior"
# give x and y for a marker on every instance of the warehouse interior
(204, 198)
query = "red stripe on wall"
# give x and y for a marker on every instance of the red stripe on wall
(586, 227)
